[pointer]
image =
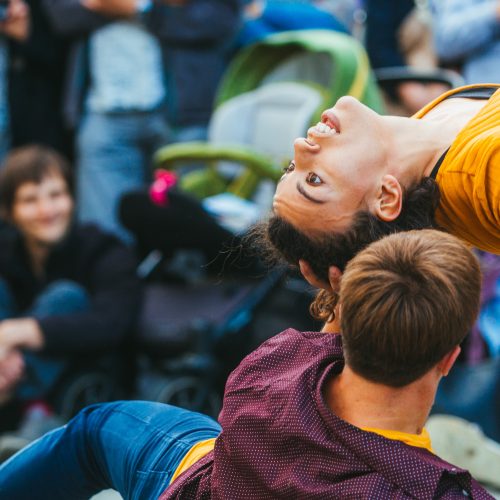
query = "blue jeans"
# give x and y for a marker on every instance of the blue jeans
(131, 446)
(114, 152)
(60, 297)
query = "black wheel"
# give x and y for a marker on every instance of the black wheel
(85, 389)
(189, 392)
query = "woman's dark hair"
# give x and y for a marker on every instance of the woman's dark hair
(284, 242)
(29, 164)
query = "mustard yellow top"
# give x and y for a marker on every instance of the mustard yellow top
(422, 440)
(195, 453)
(469, 177)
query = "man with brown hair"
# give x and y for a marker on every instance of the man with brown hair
(299, 420)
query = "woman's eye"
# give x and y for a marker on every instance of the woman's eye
(313, 179)
(289, 168)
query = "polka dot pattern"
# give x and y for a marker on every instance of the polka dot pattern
(280, 441)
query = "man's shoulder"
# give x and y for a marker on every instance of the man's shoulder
(290, 356)
(292, 343)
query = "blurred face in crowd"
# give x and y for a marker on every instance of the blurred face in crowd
(42, 211)
(336, 169)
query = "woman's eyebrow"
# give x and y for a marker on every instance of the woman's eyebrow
(301, 190)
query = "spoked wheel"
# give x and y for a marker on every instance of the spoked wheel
(85, 389)
(189, 392)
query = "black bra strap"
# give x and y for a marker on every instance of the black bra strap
(476, 93)
(438, 164)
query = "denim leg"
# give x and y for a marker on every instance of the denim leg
(110, 164)
(131, 446)
(60, 297)
(7, 303)
(114, 153)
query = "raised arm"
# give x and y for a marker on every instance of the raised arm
(71, 18)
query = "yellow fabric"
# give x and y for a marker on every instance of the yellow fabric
(422, 440)
(195, 453)
(469, 177)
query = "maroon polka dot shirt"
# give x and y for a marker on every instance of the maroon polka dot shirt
(280, 441)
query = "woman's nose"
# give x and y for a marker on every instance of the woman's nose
(45, 208)
(304, 151)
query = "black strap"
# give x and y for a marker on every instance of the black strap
(435, 170)
(475, 93)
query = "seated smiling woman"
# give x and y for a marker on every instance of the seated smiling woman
(358, 176)
(68, 291)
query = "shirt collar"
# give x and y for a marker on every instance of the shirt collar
(388, 457)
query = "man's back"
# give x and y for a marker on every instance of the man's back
(280, 439)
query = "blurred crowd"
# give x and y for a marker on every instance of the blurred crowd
(90, 89)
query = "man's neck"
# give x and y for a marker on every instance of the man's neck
(363, 403)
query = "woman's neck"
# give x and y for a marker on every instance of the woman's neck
(367, 404)
(417, 144)
(38, 254)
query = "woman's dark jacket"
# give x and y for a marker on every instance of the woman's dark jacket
(99, 262)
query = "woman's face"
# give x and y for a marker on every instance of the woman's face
(42, 212)
(335, 171)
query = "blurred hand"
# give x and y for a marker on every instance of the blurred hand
(415, 95)
(11, 371)
(112, 8)
(254, 9)
(20, 333)
(17, 24)
(334, 276)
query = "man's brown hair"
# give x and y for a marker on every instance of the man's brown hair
(29, 164)
(406, 301)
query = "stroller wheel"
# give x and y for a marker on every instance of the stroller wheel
(85, 389)
(189, 392)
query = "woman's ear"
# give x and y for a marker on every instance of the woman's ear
(334, 276)
(389, 200)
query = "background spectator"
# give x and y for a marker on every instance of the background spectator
(65, 289)
(473, 388)
(397, 35)
(32, 72)
(467, 32)
(138, 87)
(120, 123)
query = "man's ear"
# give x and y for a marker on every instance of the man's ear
(334, 275)
(448, 361)
(389, 200)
